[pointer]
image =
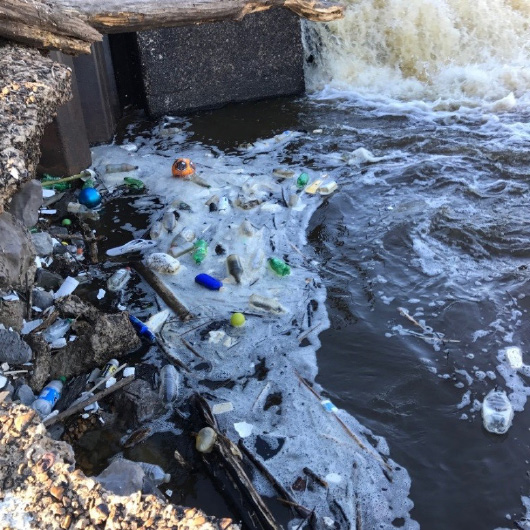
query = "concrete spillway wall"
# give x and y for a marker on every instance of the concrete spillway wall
(172, 71)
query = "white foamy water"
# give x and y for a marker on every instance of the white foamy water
(444, 52)
(262, 366)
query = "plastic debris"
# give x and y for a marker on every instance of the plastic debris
(48, 397)
(163, 263)
(205, 440)
(136, 245)
(243, 428)
(142, 329)
(169, 383)
(68, 287)
(208, 281)
(497, 412)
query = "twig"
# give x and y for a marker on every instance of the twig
(162, 343)
(116, 372)
(350, 433)
(50, 319)
(305, 519)
(192, 349)
(80, 406)
(302, 510)
(306, 333)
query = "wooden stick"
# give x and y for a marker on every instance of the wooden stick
(302, 510)
(80, 406)
(315, 477)
(66, 179)
(192, 349)
(350, 433)
(50, 319)
(162, 343)
(169, 298)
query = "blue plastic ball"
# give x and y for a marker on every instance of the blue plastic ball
(89, 197)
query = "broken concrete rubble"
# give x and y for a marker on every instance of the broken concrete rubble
(41, 488)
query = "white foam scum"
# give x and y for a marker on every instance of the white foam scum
(364, 483)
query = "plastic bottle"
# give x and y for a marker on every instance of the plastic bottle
(279, 266)
(208, 281)
(155, 473)
(119, 168)
(119, 279)
(176, 251)
(136, 245)
(169, 383)
(57, 330)
(234, 267)
(185, 235)
(497, 412)
(108, 370)
(266, 304)
(82, 211)
(302, 180)
(133, 184)
(201, 248)
(157, 230)
(142, 329)
(169, 221)
(205, 440)
(48, 397)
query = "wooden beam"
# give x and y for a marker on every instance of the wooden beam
(43, 25)
(119, 16)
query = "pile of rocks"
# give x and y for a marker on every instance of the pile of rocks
(41, 488)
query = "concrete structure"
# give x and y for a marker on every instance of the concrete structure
(172, 71)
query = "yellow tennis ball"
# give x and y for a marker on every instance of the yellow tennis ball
(237, 319)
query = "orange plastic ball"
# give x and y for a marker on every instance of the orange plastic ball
(182, 167)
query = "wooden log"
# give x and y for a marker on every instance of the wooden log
(169, 298)
(226, 468)
(118, 16)
(43, 25)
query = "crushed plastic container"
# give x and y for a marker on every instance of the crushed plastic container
(263, 303)
(48, 397)
(497, 412)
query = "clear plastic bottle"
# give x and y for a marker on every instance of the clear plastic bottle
(119, 279)
(48, 397)
(57, 330)
(497, 412)
(157, 230)
(155, 473)
(169, 221)
(201, 249)
(119, 168)
(270, 305)
(234, 266)
(279, 266)
(82, 211)
(169, 383)
(246, 229)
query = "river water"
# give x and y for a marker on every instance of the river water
(420, 111)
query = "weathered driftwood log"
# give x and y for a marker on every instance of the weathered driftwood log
(118, 16)
(31, 89)
(41, 24)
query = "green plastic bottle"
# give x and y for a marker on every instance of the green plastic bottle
(302, 180)
(201, 248)
(279, 267)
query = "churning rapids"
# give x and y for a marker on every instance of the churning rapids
(420, 111)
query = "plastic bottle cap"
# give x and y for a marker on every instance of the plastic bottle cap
(237, 319)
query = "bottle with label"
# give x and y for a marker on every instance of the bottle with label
(201, 248)
(155, 473)
(119, 279)
(57, 330)
(234, 266)
(48, 397)
(279, 266)
(108, 370)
